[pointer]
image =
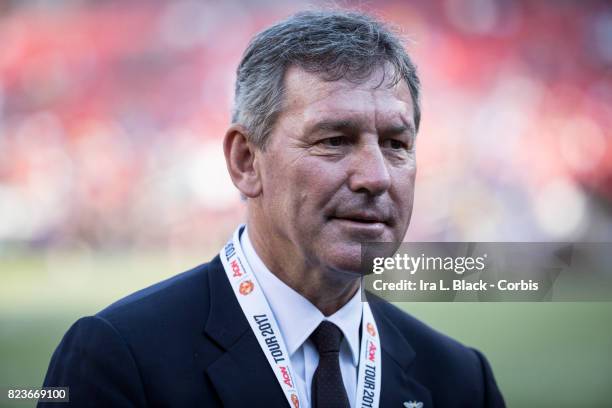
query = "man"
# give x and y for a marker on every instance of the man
(322, 148)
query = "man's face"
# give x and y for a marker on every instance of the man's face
(338, 170)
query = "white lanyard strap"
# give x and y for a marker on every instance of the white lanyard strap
(263, 324)
(368, 379)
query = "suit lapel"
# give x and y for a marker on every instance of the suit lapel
(241, 375)
(398, 386)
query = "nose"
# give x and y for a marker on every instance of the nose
(369, 172)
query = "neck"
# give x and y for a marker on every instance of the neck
(326, 289)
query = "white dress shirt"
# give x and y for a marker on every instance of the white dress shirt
(297, 318)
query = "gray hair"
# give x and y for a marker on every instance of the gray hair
(334, 45)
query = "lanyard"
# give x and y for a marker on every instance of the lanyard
(263, 324)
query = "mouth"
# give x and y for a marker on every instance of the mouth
(357, 220)
(362, 217)
(362, 220)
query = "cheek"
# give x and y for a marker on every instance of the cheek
(404, 189)
(297, 189)
(318, 180)
(277, 184)
(405, 175)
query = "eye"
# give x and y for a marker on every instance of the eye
(335, 141)
(395, 144)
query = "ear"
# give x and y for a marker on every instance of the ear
(240, 158)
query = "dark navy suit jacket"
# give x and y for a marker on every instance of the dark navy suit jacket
(185, 342)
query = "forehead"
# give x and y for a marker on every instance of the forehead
(373, 102)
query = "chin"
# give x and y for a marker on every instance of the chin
(344, 260)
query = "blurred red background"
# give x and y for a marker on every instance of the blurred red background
(112, 115)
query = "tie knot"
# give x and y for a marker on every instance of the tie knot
(327, 337)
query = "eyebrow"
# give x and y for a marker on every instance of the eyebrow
(344, 125)
(399, 130)
(352, 126)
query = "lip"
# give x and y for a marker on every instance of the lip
(362, 217)
(368, 228)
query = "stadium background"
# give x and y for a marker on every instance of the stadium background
(112, 176)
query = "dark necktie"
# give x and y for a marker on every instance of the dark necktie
(327, 389)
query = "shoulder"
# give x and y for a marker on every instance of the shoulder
(122, 354)
(179, 304)
(418, 334)
(446, 366)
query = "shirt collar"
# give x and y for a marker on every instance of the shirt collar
(296, 316)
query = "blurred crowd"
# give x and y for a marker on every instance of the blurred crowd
(112, 115)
